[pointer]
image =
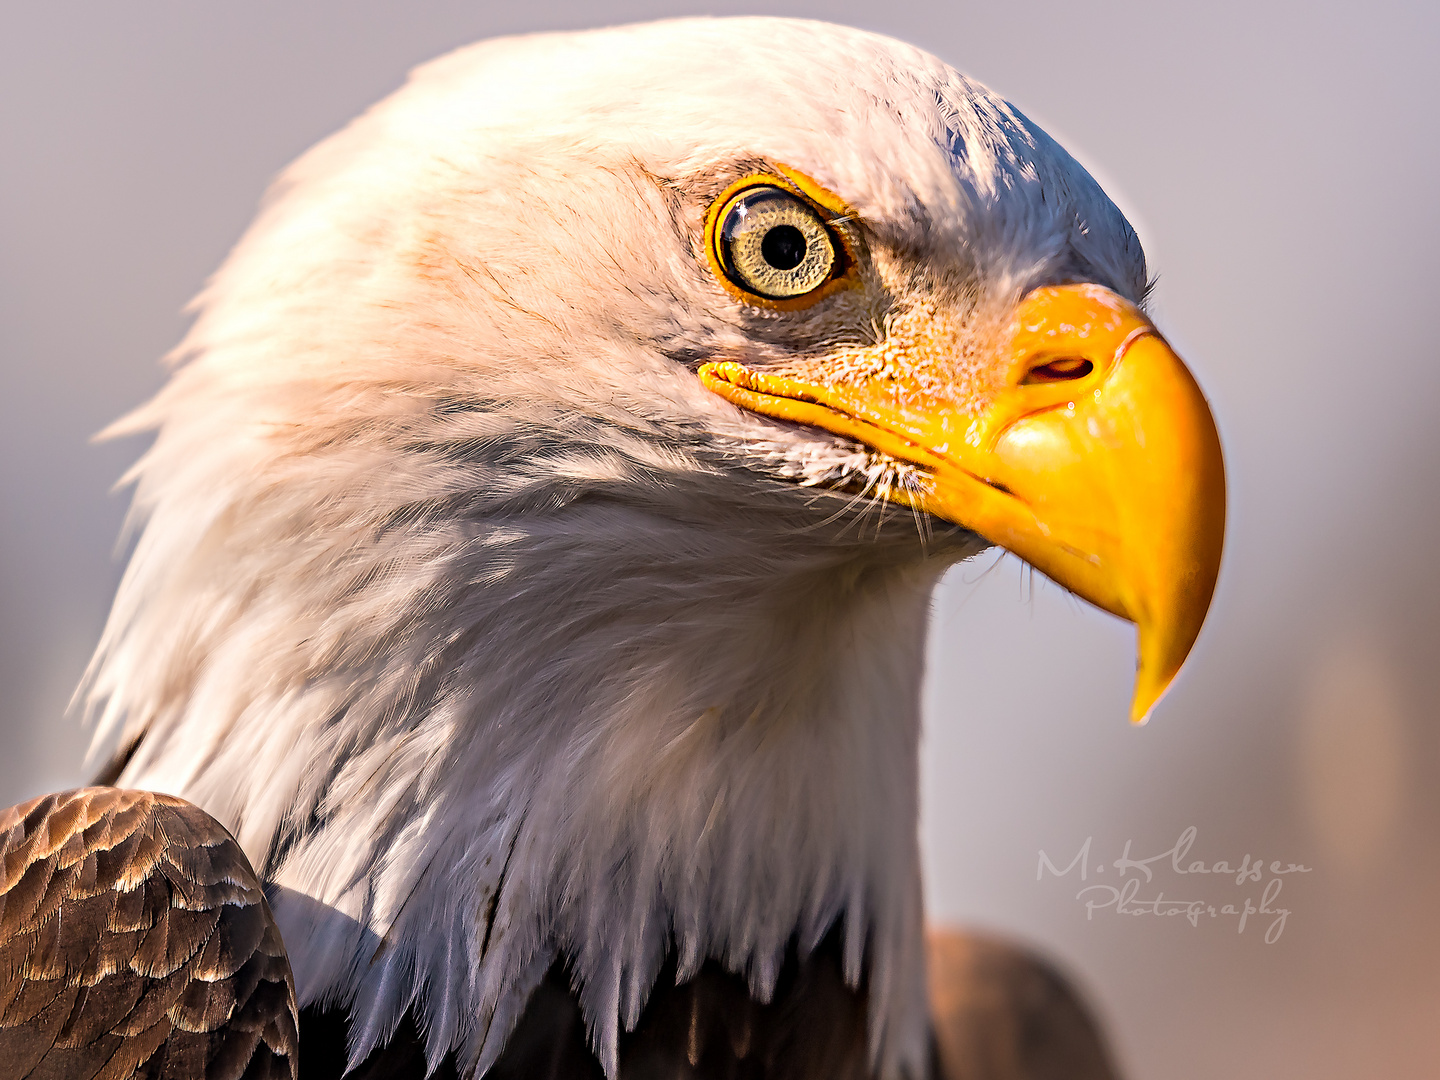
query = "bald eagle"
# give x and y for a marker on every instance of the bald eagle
(536, 549)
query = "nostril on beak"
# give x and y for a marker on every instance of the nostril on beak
(1059, 371)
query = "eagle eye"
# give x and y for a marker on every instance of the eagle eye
(772, 244)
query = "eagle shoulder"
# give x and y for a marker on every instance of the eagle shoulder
(135, 941)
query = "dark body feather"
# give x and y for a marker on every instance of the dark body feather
(999, 1013)
(135, 941)
(708, 1028)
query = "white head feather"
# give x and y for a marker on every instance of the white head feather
(488, 631)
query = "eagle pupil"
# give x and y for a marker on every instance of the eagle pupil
(783, 247)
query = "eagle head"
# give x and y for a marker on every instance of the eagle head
(542, 514)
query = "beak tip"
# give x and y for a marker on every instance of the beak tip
(1150, 690)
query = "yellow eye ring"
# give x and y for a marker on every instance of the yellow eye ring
(779, 241)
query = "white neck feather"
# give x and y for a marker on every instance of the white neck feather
(595, 733)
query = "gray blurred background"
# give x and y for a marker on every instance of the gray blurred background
(1280, 162)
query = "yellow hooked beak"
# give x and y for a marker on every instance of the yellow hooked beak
(1096, 461)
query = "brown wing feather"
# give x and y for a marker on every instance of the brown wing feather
(135, 942)
(1002, 1013)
